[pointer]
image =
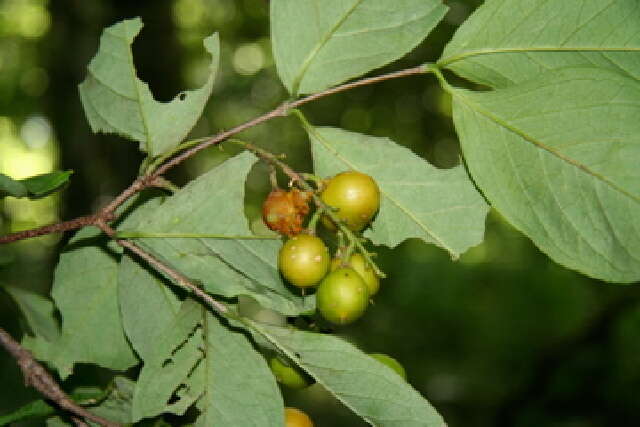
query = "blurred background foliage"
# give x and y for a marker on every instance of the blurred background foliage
(503, 337)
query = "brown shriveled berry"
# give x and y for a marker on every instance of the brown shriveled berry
(285, 211)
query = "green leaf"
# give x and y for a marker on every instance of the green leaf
(369, 388)
(38, 310)
(116, 101)
(57, 422)
(214, 204)
(170, 362)
(439, 206)
(189, 391)
(42, 408)
(558, 157)
(240, 389)
(117, 406)
(35, 409)
(147, 304)
(34, 187)
(85, 292)
(146, 300)
(320, 43)
(511, 41)
(42, 185)
(11, 187)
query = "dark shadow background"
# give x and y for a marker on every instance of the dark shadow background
(503, 337)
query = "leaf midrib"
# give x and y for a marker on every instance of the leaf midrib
(321, 43)
(445, 62)
(308, 367)
(458, 94)
(423, 226)
(136, 81)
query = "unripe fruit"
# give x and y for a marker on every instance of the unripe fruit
(284, 211)
(304, 260)
(390, 362)
(288, 375)
(356, 197)
(296, 418)
(360, 265)
(342, 296)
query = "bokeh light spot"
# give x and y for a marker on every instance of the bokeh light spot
(35, 132)
(24, 18)
(188, 13)
(248, 59)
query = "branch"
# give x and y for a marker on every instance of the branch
(107, 214)
(179, 278)
(38, 377)
(80, 222)
(282, 111)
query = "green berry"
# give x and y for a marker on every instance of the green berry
(360, 265)
(288, 375)
(390, 362)
(342, 296)
(304, 260)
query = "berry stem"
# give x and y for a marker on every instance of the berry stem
(314, 178)
(351, 236)
(273, 177)
(313, 222)
(322, 206)
(346, 255)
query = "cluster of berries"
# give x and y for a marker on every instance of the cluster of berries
(344, 286)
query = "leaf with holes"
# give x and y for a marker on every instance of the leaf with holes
(511, 41)
(558, 157)
(116, 101)
(239, 388)
(439, 206)
(320, 43)
(169, 364)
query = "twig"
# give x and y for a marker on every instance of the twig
(420, 69)
(78, 421)
(35, 375)
(179, 278)
(282, 111)
(80, 222)
(107, 214)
